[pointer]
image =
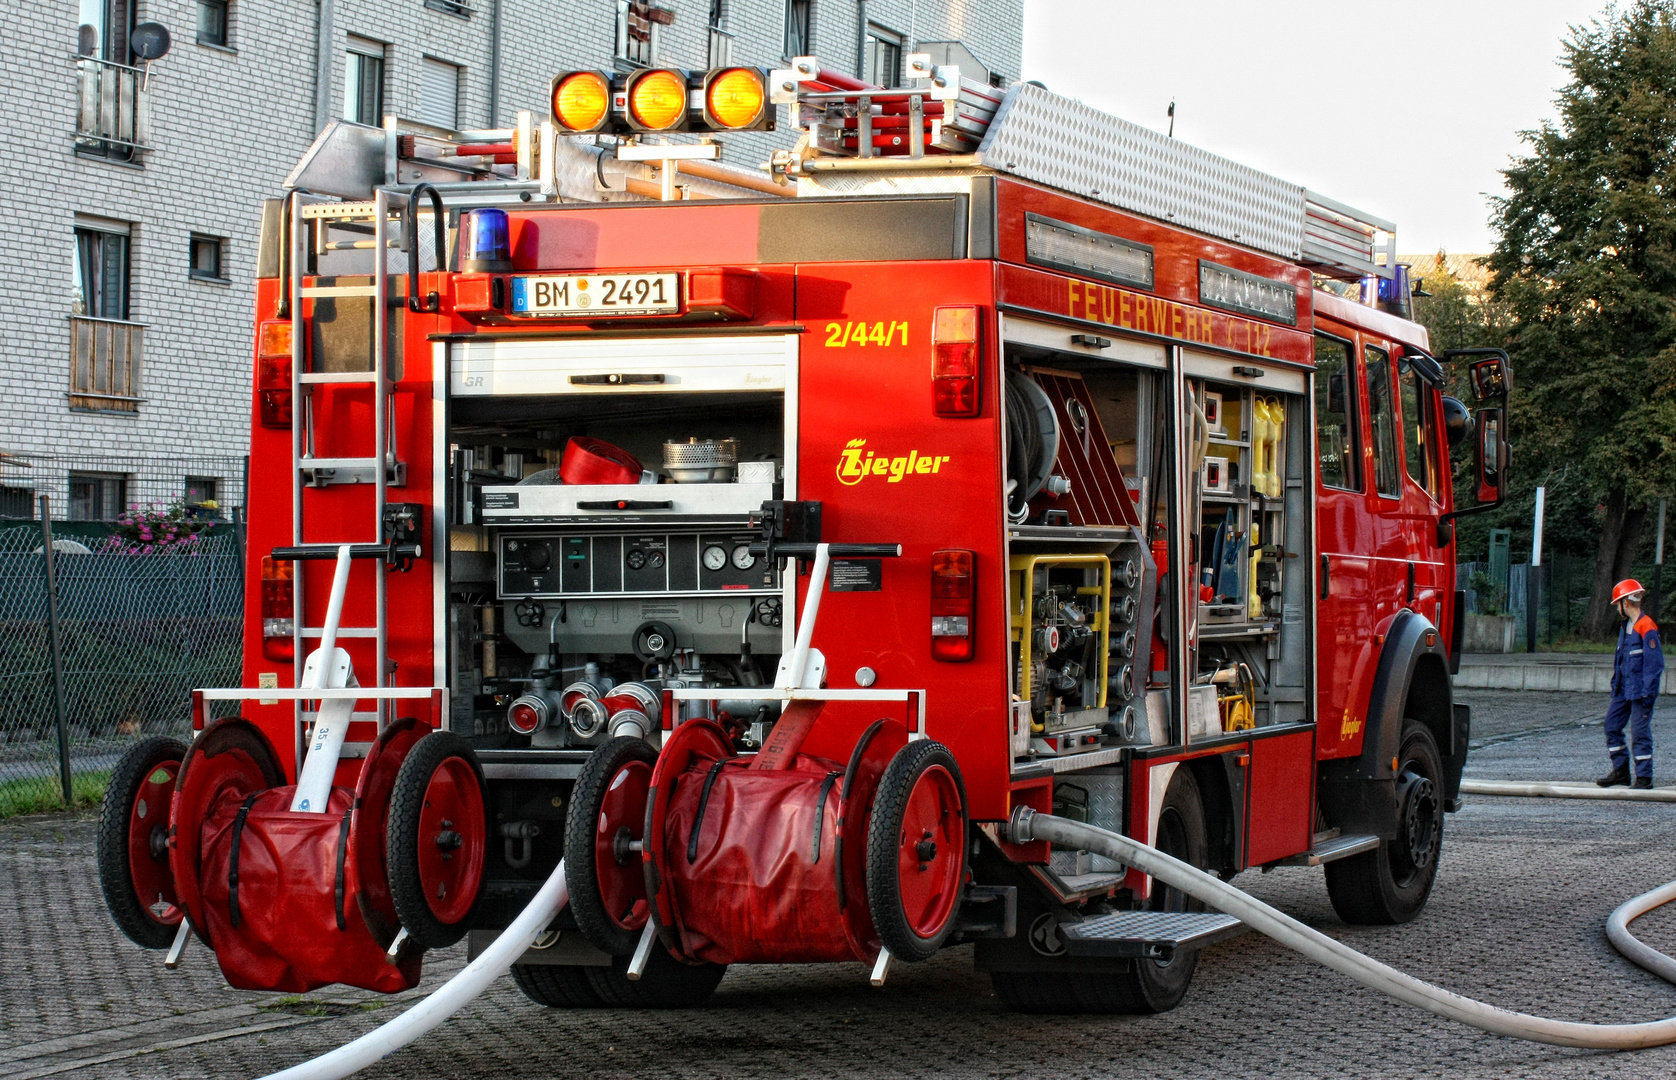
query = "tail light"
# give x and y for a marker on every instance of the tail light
(279, 610)
(273, 372)
(956, 388)
(581, 101)
(657, 100)
(951, 605)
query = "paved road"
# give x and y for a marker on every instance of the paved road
(1524, 888)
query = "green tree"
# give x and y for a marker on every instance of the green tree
(1586, 267)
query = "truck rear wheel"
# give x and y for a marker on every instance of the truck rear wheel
(1392, 883)
(555, 986)
(667, 984)
(1156, 986)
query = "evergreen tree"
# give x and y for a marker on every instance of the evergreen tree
(1586, 267)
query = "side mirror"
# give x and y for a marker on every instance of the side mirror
(1457, 421)
(1490, 379)
(1492, 455)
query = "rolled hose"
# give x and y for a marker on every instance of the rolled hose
(446, 999)
(1027, 825)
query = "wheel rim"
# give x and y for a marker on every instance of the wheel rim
(451, 840)
(622, 877)
(1419, 834)
(148, 851)
(929, 851)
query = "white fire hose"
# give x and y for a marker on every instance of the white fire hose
(446, 999)
(1026, 825)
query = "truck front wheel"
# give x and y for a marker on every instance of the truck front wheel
(1392, 883)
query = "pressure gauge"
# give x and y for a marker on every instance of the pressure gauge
(742, 558)
(636, 559)
(714, 557)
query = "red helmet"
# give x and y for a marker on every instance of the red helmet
(1627, 589)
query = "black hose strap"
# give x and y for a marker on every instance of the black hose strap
(820, 813)
(233, 859)
(698, 818)
(843, 802)
(337, 882)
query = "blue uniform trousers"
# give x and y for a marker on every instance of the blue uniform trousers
(1639, 716)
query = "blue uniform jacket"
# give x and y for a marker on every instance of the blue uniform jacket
(1638, 666)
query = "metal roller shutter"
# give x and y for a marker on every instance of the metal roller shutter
(439, 93)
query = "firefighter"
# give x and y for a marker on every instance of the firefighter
(1637, 670)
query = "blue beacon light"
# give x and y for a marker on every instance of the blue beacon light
(485, 247)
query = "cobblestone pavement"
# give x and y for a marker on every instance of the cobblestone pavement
(1524, 889)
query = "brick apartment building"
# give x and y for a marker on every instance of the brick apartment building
(133, 209)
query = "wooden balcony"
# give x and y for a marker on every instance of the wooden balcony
(106, 356)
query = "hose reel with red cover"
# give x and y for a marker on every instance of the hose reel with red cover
(785, 857)
(287, 900)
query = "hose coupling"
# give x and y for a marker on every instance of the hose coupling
(1018, 828)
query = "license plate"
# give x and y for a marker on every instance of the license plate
(596, 294)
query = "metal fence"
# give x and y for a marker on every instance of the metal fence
(1563, 584)
(136, 633)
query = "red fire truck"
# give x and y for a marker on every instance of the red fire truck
(757, 541)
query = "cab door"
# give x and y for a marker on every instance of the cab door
(1424, 485)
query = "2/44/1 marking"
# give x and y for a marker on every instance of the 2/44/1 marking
(842, 334)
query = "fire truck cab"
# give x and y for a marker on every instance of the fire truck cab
(758, 542)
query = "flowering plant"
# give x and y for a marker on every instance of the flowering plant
(157, 529)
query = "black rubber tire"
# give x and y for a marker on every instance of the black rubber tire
(556, 987)
(1391, 884)
(131, 915)
(580, 872)
(884, 892)
(1153, 986)
(667, 983)
(401, 842)
(1042, 993)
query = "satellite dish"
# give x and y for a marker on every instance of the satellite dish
(149, 41)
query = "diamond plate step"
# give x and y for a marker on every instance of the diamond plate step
(1338, 847)
(1154, 935)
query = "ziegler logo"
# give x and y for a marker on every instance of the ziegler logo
(855, 464)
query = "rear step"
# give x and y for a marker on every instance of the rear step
(1153, 935)
(1339, 847)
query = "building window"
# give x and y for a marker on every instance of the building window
(213, 27)
(17, 503)
(451, 7)
(721, 42)
(97, 496)
(363, 82)
(206, 258)
(637, 31)
(439, 93)
(882, 50)
(799, 29)
(101, 272)
(106, 349)
(200, 497)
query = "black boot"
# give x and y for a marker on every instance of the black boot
(1618, 777)
(1643, 782)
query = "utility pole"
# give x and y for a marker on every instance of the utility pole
(1658, 566)
(1533, 579)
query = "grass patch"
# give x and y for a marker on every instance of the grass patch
(42, 794)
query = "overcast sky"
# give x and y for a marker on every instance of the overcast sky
(1406, 110)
